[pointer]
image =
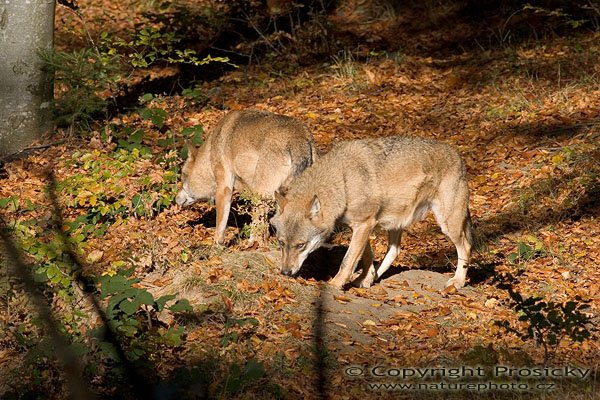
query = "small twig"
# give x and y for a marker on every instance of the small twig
(27, 150)
(262, 36)
(42, 146)
(86, 30)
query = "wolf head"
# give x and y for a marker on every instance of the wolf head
(198, 182)
(300, 230)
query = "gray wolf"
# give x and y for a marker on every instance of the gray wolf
(254, 150)
(391, 182)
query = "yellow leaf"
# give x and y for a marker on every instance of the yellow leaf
(311, 115)
(369, 322)
(449, 290)
(93, 200)
(255, 340)
(557, 159)
(269, 262)
(94, 256)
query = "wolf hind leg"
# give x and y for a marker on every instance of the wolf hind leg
(393, 250)
(453, 218)
(223, 196)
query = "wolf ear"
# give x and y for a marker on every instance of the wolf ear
(281, 200)
(191, 150)
(315, 208)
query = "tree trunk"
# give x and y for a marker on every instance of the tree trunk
(26, 27)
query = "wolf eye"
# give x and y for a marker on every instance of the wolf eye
(281, 242)
(301, 246)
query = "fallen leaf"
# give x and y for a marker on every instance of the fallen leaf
(443, 311)
(94, 256)
(404, 314)
(341, 298)
(491, 303)
(432, 332)
(449, 290)
(228, 303)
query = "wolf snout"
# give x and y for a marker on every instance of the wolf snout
(183, 200)
(288, 272)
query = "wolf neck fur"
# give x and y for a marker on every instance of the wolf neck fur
(331, 190)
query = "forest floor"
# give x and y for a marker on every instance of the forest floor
(526, 118)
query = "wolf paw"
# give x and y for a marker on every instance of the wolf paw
(457, 283)
(364, 283)
(337, 284)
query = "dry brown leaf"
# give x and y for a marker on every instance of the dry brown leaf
(443, 311)
(404, 314)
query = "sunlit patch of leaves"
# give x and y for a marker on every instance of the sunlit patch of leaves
(115, 185)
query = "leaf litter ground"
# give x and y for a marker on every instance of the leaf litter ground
(526, 119)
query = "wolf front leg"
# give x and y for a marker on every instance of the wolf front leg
(225, 183)
(360, 238)
(368, 274)
(223, 203)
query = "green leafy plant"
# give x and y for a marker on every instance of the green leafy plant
(527, 251)
(156, 115)
(50, 255)
(11, 204)
(548, 322)
(242, 375)
(85, 80)
(132, 312)
(234, 329)
(258, 208)
(151, 45)
(103, 189)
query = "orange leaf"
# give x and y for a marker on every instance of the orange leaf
(342, 298)
(432, 332)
